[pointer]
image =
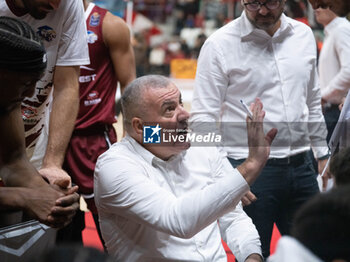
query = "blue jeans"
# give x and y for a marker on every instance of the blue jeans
(281, 189)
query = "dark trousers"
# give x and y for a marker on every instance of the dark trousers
(281, 188)
(72, 233)
(331, 115)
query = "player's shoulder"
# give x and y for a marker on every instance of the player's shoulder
(115, 30)
(114, 21)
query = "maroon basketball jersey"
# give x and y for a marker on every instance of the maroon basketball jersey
(98, 82)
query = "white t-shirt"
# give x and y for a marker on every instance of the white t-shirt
(63, 33)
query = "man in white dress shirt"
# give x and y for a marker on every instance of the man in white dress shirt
(170, 201)
(265, 54)
(334, 64)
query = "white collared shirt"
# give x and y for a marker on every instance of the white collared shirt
(240, 61)
(334, 63)
(175, 210)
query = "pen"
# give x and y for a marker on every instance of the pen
(246, 108)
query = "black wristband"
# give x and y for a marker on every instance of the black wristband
(324, 157)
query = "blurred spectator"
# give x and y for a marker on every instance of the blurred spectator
(190, 21)
(174, 51)
(220, 20)
(180, 21)
(157, 59)
(140, 46)
(334, 64)
(184, 48)
(186, 11)
(189, 7)
(297, 9)
(198, 45)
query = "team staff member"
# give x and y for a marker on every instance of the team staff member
(265, 54)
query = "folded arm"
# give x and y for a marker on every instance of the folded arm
(25, 188)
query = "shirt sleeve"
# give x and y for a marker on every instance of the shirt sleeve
(122, 187)
(316, 124)
(340, 84)
(210, 84)
(73, 47)
(240, 234)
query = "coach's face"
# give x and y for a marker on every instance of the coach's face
(340, 7)
(164, 106)
(264, 14)
(40, 8)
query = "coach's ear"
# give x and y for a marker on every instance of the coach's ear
(137, 125)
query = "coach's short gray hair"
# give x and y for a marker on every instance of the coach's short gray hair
(133, 104)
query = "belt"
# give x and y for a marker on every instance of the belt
(329, 106)
(295, 160)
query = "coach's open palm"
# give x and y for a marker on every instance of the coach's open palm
(259, 143)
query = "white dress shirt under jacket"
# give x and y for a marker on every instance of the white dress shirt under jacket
(155, 210)
(334, 63)
(240, 61)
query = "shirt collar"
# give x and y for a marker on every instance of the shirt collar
(248, 30)
(148, 156)
(333, 24)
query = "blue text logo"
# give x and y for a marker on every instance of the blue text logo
(151, 134)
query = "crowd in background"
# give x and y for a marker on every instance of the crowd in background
(182, 26)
